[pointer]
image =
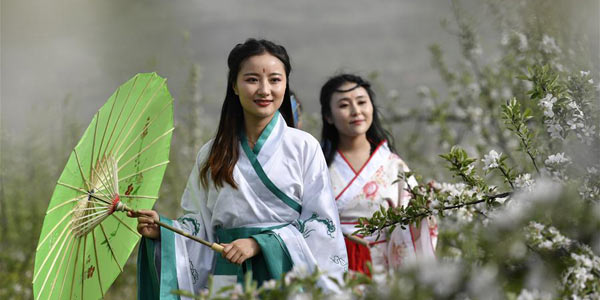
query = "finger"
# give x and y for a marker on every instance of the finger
(235, 258)
(146, 220)
(233, 252)
(147, 213)
(226, 248)
(241, 259)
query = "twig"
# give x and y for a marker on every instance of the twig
(429, 212)
(507, 178)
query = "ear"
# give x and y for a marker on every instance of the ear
(329, 119)
(235, 90)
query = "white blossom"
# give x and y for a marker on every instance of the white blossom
(554, 129)
(269, 284)
(524, 181)
(296, 272)
(557, 159)
(490, 160)
(494, 94)
(549, 45)
(476, 50)
(474, 89)
(584, 73)
(443, 277)
(547, 103)
(504, 39)
(522, 41)
(533, 295)
(455, 190)
(237, 289)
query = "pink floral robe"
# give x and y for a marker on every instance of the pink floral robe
(359, 193)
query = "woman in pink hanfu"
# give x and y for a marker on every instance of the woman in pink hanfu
(364, 171)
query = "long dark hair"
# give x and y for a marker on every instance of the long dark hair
(224, 150)
(330, 135)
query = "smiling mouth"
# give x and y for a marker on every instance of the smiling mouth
(356, 122)
(263, 102)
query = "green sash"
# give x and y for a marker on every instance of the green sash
(271, 263)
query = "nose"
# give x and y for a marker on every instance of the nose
(263, 88)
(355, 109)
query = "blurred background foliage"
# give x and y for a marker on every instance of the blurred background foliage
(474, 66)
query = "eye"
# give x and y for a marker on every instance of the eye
(275, 79)
(362, 102)
(343, 105)
(251, 79)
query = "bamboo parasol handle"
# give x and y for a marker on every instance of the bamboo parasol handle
(357, 239)
(214, 246)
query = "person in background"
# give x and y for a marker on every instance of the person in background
(296, 110)
(364, 170)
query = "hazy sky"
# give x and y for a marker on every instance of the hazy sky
(86, 48)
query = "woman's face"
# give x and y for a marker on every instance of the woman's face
(352, 111)
(260, 85)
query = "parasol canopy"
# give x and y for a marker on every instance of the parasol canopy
(119, 162)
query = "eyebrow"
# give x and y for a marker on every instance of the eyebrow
(257, 74)
(348, 98)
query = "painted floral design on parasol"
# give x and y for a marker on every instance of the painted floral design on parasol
(117, 165)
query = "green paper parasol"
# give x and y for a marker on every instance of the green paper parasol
(117, 165)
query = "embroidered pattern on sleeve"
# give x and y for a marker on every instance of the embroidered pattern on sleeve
(301, 225)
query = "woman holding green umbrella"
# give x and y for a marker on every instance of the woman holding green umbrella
(260, 188)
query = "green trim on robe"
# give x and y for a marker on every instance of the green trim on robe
(150, 285)
(168, 263)
(271, 263)
(252, 156)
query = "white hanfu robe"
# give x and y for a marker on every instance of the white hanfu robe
(306, 222)
(361, 193)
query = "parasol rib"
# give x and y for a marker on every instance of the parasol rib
(144, 170)
(131, 113)
(65, 203)
(110, 248)
(74, 268)
(120, 113)
(163, 109)
(53, 264)
(71, 248)
(87, 183)
(91, 218)
(103, 183)
(91, 208)
(97, 118)
(138, 197)
(83, 191)
(107, 123)
(144, 149)
(137, 234)
(97, 263)
(60, 237)
(140, 116)
(49, 234)
(83, 265)
(107, 180)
